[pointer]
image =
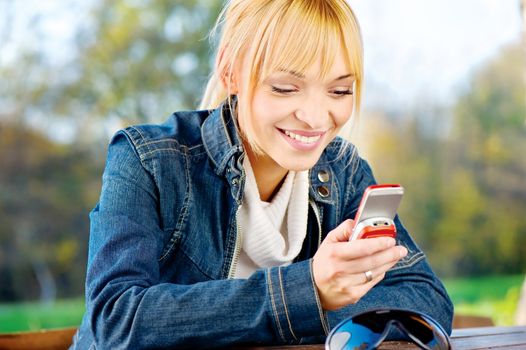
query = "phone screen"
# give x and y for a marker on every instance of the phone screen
(377, 210)
(380, 202)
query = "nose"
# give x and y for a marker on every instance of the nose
(314, 112)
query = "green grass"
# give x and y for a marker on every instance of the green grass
(35, 316)
(493, 296)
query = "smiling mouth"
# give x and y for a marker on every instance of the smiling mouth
(302, 138)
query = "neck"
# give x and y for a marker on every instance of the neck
(269, 174)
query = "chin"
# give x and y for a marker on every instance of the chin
(299, 165)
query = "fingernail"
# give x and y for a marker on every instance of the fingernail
(402, 251)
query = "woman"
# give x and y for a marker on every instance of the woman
(230, 225)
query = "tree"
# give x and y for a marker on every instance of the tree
(138, 61)
(466, 193)
(143, 60)
(47, 190)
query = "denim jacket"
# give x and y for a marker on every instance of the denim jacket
(164, 244)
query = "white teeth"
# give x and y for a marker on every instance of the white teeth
(301, 138)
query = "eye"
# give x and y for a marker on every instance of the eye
(341, 93)
(282, 91)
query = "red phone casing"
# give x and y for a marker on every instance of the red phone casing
(383, 231)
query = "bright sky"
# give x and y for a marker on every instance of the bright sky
(415, 49)
(426, 49)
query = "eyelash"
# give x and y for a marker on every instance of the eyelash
(282, 91)
(339, 93)
(343, 92)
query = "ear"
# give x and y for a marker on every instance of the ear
(227, 75)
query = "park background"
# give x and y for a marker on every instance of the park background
(444, 115)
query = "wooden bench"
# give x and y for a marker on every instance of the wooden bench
(49, 339)
(469, 321)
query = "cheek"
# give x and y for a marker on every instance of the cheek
(342, 114)
(267, 111)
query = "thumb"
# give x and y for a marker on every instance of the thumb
(342, 233)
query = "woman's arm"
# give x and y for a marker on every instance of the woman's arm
(411, 283)
(129, 307)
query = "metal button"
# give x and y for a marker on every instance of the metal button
(323, 191)
(323, 176)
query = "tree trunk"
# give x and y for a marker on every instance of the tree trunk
(48, 288)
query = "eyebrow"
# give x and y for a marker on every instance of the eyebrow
(302, 76)
(345, 77)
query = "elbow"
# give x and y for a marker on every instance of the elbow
(447, 317)
(441, 309)
(112, 322)
(111, 331)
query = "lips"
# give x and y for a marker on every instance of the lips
(307, 137)
(304, 139)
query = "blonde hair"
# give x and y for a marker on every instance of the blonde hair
(276, 34)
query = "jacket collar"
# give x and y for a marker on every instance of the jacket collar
(221, 137)
(224, 146)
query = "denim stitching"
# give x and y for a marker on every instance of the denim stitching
(274, 305)
(152, 142)
(183, 215)
(410, 262)
(143, 139)
(134, 129)
(145, 154)
(285, 304)
(174, 237)
(139, 131)
(351, 187)
(317, 297)
(336, 193)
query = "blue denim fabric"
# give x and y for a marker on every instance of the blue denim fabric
(163, 247)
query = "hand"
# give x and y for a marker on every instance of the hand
(339, 266)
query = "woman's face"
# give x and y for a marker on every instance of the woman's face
(295, 115)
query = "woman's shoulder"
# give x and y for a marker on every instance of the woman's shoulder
(180, 132)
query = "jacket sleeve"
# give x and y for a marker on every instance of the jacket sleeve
(129, 305)
(410, 284)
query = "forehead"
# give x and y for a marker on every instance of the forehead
(336, 68)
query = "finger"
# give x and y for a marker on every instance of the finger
(369, 277)
(353, 272)
(362, 248)
(360, 284)
(381, 270)
(342, 233)
(391, 255)
(356, 290)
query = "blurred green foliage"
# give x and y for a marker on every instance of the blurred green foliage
(464, 169)
(47, 190)
(20, 317)
(138, 61)
(143, 58)
(490, 296)
(465, 179)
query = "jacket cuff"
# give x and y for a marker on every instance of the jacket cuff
(294, 302)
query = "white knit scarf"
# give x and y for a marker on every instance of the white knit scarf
(272, 233)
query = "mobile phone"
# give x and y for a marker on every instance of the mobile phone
(376, 212)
